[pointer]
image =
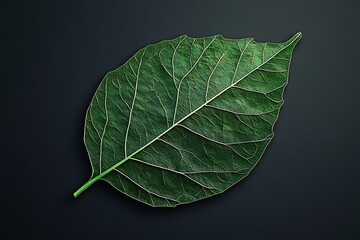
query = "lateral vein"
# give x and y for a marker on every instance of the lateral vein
(106, 122)
(133, 103)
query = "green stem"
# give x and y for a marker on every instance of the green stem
(84, 187)
(93, 180)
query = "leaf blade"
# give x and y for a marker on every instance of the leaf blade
(251, 56)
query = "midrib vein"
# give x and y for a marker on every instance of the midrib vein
(187, 116)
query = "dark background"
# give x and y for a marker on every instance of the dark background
(54, 54)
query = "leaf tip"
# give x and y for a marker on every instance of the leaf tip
(294, 39)
(298, 35)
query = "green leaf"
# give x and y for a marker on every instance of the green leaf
(185, 119)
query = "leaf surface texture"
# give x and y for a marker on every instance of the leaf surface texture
(185, 119)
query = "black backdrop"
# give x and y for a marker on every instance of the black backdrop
(53, 56)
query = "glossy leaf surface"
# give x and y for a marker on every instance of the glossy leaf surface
(187, 118)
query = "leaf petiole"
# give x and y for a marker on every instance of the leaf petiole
(98, 177)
